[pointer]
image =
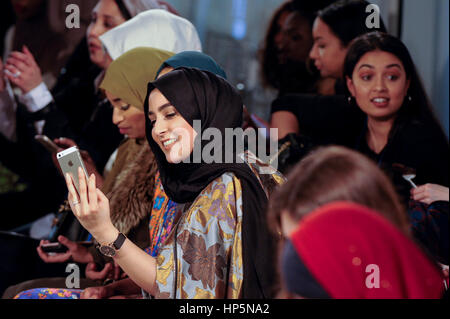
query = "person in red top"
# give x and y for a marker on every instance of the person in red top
(347, 233)
(353, 252)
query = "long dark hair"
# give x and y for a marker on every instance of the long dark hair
(268, 54)
(417, 106)
(347, 19)
(123, 10)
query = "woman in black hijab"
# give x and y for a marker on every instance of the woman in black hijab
(220, 246)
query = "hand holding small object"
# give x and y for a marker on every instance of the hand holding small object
(92, 209)
(76, 252)
(430, 193)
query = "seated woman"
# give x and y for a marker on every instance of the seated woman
(126, 80)
(400, 132)
(73, 109)
(222, 212)
(347, 234)
(132, 186)
(77, 109)
(284, 58)
(333, 30)
(152, 28)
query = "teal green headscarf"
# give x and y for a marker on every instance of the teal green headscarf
(193, 59)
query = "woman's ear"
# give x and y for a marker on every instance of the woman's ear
(408, 84)
(350, 86)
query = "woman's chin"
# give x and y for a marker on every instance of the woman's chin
(99, 60)
(172, 159)
(175, 159)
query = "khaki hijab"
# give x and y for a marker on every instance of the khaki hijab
(127, 78)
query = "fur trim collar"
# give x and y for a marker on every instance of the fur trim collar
(131, 197)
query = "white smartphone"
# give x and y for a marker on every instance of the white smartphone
(47, 143)
(69, 160)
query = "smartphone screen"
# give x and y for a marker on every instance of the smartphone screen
(69, 160)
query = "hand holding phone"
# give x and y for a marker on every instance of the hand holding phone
(64, 142)
(69, 161)
(56, 248)
(64, 250)
(59, 248)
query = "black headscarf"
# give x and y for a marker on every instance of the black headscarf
(201, 95)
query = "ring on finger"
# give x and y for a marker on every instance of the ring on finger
(17, 74)
(75, 202)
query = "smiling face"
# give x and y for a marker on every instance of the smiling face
(105, 16)
(129, 119)
(170, 130)
(328, 52)
(379, 85)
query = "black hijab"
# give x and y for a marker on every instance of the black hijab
(201, 95)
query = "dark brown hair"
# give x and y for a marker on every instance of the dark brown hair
(123, 9)
(268, 54)
(347, 19)
(336, 174)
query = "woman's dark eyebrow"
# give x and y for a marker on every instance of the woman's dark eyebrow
(367, 66)
(160, 108)
(393, 66)
(387, 67)
(108, 17)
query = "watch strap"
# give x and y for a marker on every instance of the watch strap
(117, 244)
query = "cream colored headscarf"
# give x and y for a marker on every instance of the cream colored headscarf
(153, 28)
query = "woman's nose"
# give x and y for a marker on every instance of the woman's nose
(159, 127)
(278, 39)
(94, 29)
(313, 53)
(380, 85)
(117, 116)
